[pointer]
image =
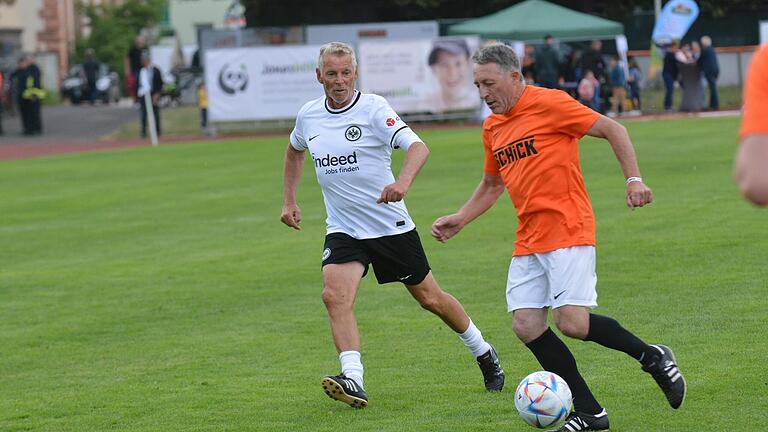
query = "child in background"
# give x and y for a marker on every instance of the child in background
(202, 103)
(586, 88)
(634, 79)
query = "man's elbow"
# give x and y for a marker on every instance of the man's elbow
(754, 189)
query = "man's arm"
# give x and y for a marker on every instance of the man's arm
(415, 158)
(294, 166)
(750, 168)
(485, 195)
(638, 194)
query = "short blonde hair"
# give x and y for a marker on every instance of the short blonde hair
(337, 49)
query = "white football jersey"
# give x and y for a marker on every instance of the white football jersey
(351, 149)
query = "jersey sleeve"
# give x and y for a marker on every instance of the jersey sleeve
(389, 127)
(491, 167)
(574, 118)
(297, 135)
(755, 116)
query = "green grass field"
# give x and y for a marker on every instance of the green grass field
(154, 289)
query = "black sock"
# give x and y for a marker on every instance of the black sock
(554, 356)
(609, 333)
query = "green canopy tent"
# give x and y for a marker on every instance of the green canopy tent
(531, 20)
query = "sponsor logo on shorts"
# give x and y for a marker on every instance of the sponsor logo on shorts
(559, 294)
(515, 151)
(326, 253)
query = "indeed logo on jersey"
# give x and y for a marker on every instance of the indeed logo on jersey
(337, 164)
(515, 151)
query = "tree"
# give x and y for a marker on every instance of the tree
(114, 27)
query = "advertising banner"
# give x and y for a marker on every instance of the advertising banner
(676, 18)
(421, 76)
(260, 83)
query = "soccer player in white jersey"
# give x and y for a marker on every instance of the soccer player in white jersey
(350, 137)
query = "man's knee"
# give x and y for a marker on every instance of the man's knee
(572, 325)
(335, 298)
(527, 329)
(428, 300)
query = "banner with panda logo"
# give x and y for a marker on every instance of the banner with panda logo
(260, 83)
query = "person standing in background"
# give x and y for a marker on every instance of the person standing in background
(151, 84)
(133, 66)
(669, 73)
(634, 79)
(91, 68)
(709, 66)
(547, 64)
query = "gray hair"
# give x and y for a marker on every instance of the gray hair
(502, 55)
(337, 49)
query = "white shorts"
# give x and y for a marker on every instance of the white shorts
(553, 279)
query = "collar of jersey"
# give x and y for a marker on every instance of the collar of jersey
(343, 109)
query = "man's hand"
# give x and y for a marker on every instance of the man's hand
(291, 216)
(393, 193)
(446, 227)
(638, 195)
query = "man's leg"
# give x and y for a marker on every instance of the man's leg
(530, 326)
(156, 111)
(712, 84)
(143, 108)
(669, 87)
(432, 298)
(658, 360)
(340, 282)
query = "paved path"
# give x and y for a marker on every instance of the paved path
(66, 124)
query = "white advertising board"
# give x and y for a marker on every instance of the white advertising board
(260, 83)
(427, 75)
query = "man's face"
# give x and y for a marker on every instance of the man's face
(450, 70)
(498, 89)
(338, 79)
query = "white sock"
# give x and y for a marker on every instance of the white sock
(351, 366)
(473, 339)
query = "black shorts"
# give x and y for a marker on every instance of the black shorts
(395, 258)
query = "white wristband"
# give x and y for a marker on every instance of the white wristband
(634, 179)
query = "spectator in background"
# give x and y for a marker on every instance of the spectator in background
(633, 80)
(690, 80)
(669, 73)
(592, 59)
(709, 66)
(2, 99)
(618, 87)
(91, 68)
(202, 103)
(30, 95)
(587, 88)
(547, 64)
(529, 63)
(133, 66)
(150, 84)
(570, 73)
(752, 155)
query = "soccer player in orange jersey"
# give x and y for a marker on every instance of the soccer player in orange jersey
(752, 158)
(531, 149)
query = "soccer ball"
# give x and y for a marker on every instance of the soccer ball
(543, 399)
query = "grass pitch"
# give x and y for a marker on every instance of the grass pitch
(154, 289)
